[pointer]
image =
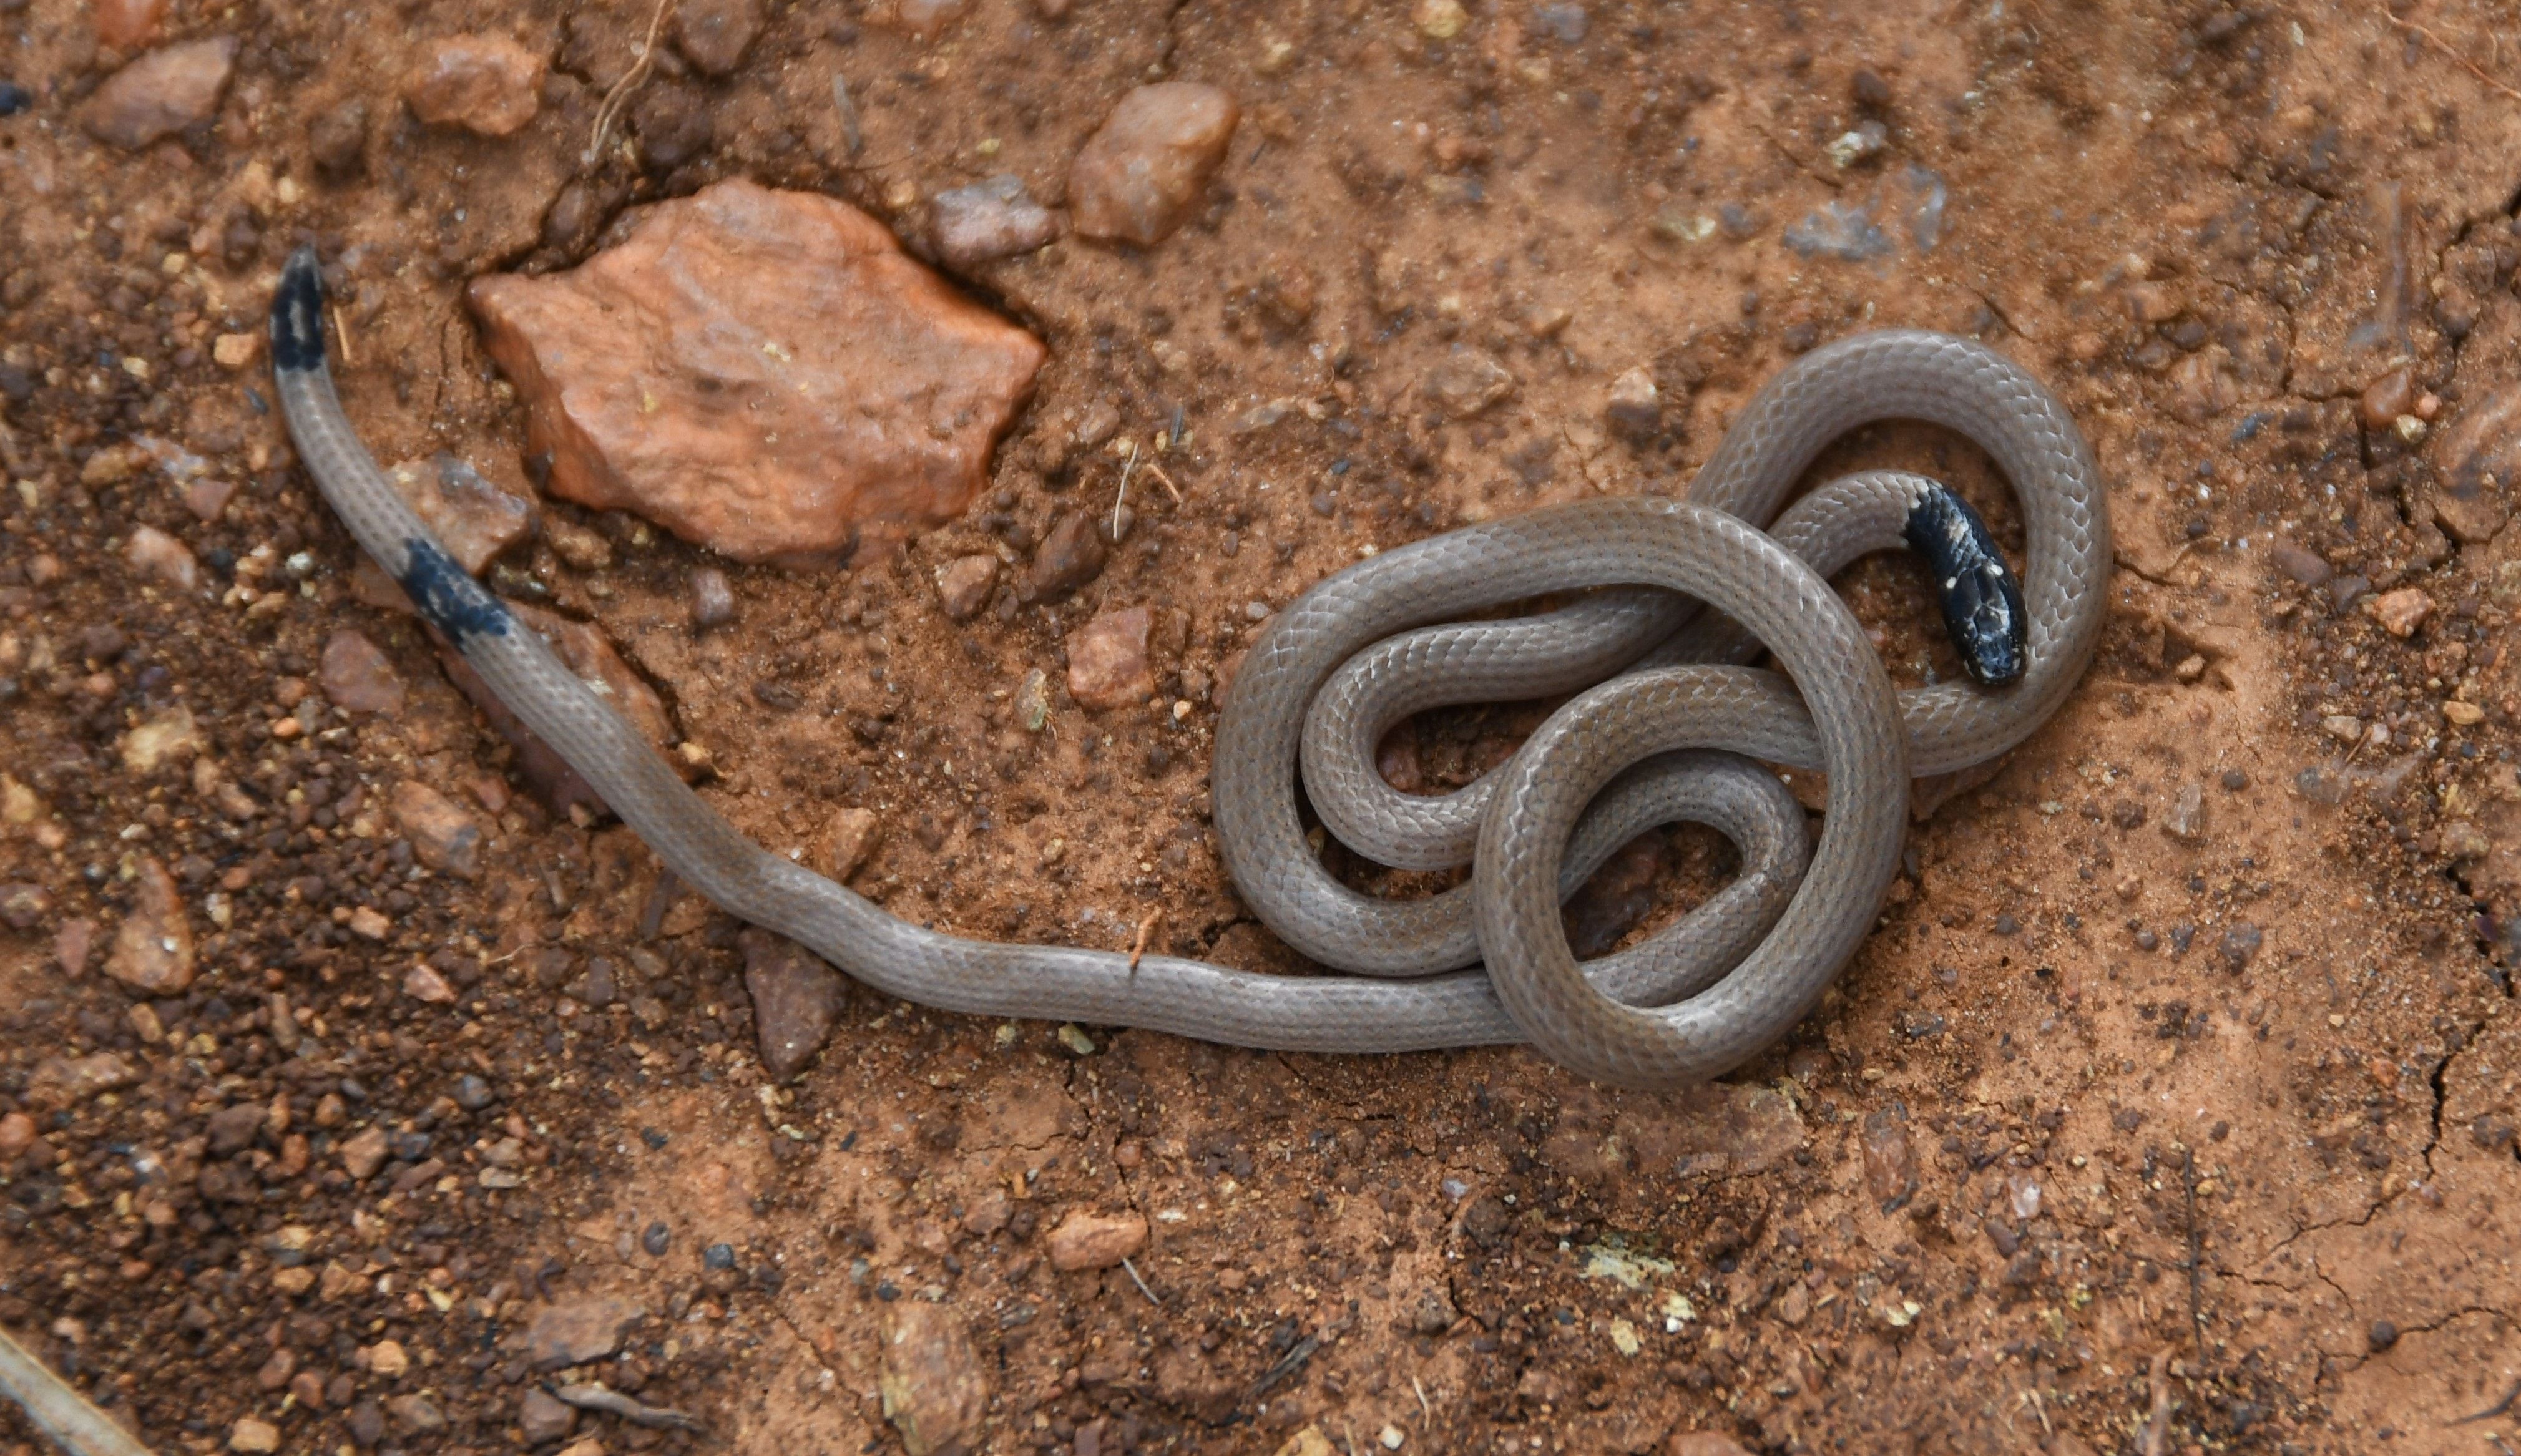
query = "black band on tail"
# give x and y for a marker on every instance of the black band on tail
(449, 597)
(297, 315)
(1982, 600)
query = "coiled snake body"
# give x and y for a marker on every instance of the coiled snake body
(1668, 738)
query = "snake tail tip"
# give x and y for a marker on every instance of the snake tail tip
(297, 315)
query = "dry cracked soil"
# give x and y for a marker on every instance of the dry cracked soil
(2170, 1108)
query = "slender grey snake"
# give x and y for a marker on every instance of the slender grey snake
(1665, 732)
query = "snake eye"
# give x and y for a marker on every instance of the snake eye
(1982, 605)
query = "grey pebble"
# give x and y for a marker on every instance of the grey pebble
(2187, 817)
(712, 599)
(989, 221)
(1564, 24)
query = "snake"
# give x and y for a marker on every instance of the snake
(1669, 602)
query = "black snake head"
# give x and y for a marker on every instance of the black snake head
(1981, 597)
(297, 314)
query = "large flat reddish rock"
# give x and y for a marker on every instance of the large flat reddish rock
(764, 373)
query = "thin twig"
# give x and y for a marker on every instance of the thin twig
(597, 1397)
(1426, 1412)
(619, 96)
(1123, 497)
(1136, 1279)
(1288, 1364)
(2496, 1409)
(2196, 1256)
(660, 900)
(851, 135)
(2444, 46)
(1146, 928)
(54, 1407)
(1164, 481)
(342, 326)
(2157, 1425)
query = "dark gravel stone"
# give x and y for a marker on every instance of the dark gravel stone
(367, 1423)
(1071, 555)
(338, 140)
(600, 986)
(797, 1000)
(543, 1419)
(233, 1129)
(14, 98)
(1564, 24)
(568, 216)
(473, 1094)
(673, 126)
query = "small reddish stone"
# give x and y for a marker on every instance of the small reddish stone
(484, 83)
(161, 93)
(1142, 174)
(796, 1000)
(934, 1388)
(1106, 660)
(72, 943)
(357, 676)
(927, 19)
(442, 835)
(1096, 1241)
(2388, 398)
(850, 842)
(715, 34)
(963, 585)
(2399, 613)
(125, 24)
(155, 553)
(153, 949)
